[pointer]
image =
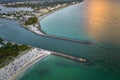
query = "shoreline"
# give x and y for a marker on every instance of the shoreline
(40, 18)
(20, 64)
(28, 66)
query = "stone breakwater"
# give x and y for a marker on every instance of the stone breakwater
(70, 57)
(43, 34)
(67, 39)
(39, 32)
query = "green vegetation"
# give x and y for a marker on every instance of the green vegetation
(31, 20)
(9, 51)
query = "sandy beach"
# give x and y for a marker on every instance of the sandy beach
(19, 65)
(38, 29)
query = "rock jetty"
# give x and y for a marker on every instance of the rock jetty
(70, 57)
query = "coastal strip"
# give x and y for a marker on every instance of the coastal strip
(19, 65)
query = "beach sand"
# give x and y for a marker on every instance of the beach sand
(19, 65)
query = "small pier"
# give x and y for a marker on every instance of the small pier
(83, 60)
(65, 39)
